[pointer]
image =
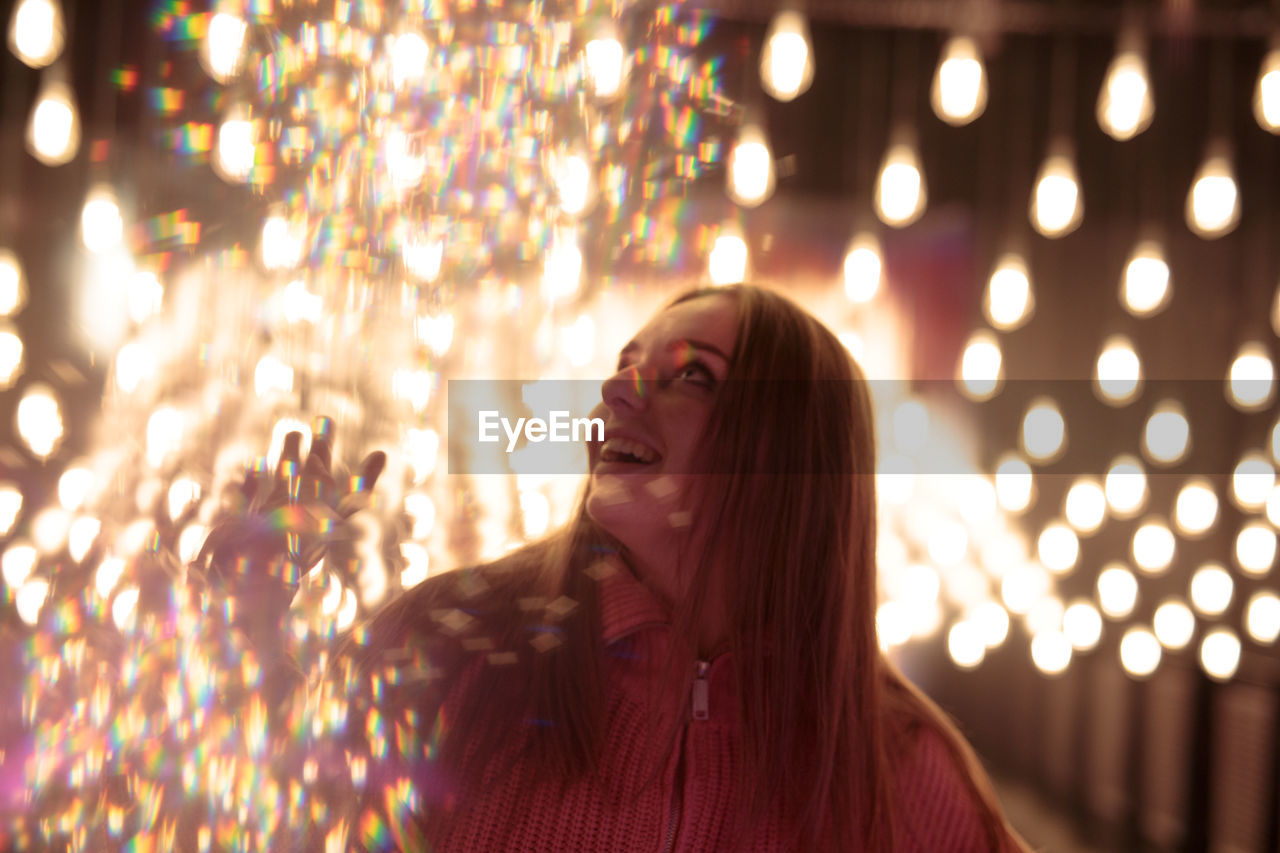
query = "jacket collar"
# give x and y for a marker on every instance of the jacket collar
(626, 604)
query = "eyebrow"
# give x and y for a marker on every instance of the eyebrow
(696, 344)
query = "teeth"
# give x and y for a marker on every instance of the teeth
(630, 448)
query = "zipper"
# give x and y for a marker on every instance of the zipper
(701, 711)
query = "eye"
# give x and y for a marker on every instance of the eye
(697, 373)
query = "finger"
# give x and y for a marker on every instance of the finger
(370, 469)
(322, 442)
(290, 455)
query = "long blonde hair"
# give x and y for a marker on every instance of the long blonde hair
(790, 449)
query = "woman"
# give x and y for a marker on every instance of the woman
(691, 663)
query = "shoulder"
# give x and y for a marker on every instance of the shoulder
(939, 806)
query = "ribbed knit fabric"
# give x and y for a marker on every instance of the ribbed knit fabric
(648, 799)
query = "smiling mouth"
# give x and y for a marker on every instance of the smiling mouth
(628, 452)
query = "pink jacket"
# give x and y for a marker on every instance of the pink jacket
(650, 801)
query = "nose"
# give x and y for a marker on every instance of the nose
(628, 388)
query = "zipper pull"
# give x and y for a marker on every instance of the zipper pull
(701, 690)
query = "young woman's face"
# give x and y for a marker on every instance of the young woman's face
(655, 409)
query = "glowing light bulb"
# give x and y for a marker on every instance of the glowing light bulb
(234, 155)
(981, 367)
(1051, 652)
(1174, 624)
(1252, 481)
(1126, 486)
(1085, 505)
(1139, 652)
(422, 257)
(1251, 382)
(965, 645)
(992, 621)
(1014, 484)
(1058, 548)
(1145, 287)
(53, 134)
(1220, 653)
(101, 225)
(1196, 507)
(1124, 102)
(786, 63)
(1044, 432)
(959, 92)
(1082, 625)
(405, 165)
(1255, 550)
(409, 52)
(1166, 437)
(13, 284)
(36, 32)
(1266, 94)
(145, 297)
(1009, 300)
(751, 177)
(900, 189)
(1213, 204)
(605, 66)
(1211, 589)
(1153, 546)
(572, 175)
(862, 268)
(562, 267)
(39, 420)
(18, 563)
(1262, 617)
(727, 262)
(282, 243)
(1056, 204)
(1118, 373)
(11, 350)
(223, 47)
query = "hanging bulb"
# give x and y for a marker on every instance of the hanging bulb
(900, 190)
(786, 63)
(727, 262)
(751, 175)
(1124, 101)
(36, 32)
(571, 172)
(1056, 203)
(959, 93)
(606, 66)
(234, 155)
(1251, 380)
(1266, 95)
(562, 266)
(101, 226)
(13, 283)
(1213, 204)
(981, 368)
(863, 268)
(1144, 289)
(1010, 301)
(1118, 372)
(409, 53)
(53, 134)
(223, 47)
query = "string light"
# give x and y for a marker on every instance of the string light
(1057, 207)
(1086, 505)
(39, 419)
(1125, 104)
(1118, 591)
(605, 60)
(1266, 94)
(1044, 432)
(1145, 287)
(1213, 203)
(1009, 301)
(959, 92)
(1166, 438)
(1255, 549)
(900, 190)
(101, 225)
(981, 367)
(863, 268)
(1211, 589)
(786, 63)
(234, 155)
(727, 262)
(1015, 484)
(1082, 625)
(751, 174)
(13, 284)
(1251, 380)
(1125, 486)
(1252, 481)
(1139, 652)
(1174, 624)
(53, 133)
(1153, 546)
(1262, 617)
(1058, 548)
(1050, 652)
(1118, 373)
(1196, 507)
(1220, 653)
(36, 32)
(409, 54)
(223, 47)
